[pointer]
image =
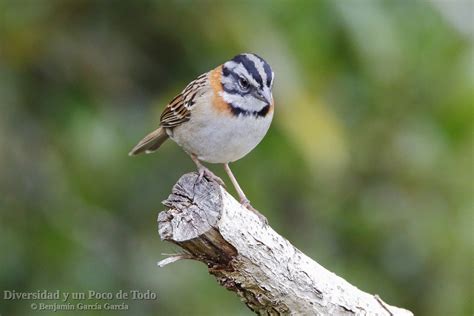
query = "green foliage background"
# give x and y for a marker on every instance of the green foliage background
(367, 167)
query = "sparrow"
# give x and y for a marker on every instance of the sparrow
(219, 117)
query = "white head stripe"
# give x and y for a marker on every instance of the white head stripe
(259, 65)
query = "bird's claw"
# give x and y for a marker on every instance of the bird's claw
(246, 203)
(204, 172)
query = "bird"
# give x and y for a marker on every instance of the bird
(219, 117)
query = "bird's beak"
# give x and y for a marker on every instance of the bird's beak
(266, 96)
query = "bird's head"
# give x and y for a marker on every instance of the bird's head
(247, 81)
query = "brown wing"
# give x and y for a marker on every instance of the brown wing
(178, 110)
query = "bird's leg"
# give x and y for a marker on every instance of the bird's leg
(204, 172)
(243, 199)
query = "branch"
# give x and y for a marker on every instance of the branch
(268, 273)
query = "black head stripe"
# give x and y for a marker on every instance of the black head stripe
(237, 111)
(226, 71)
(250, 66)
(269, 73)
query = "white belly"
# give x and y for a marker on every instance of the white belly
(220, 137)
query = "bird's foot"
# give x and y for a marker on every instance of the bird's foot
(204, 172)
(246, 203)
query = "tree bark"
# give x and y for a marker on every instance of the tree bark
(248, 257)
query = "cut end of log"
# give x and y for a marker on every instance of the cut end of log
(191, 220)
(194, 208)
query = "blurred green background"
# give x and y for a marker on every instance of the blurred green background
(367, 167)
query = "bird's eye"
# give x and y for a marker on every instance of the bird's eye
(244, 83)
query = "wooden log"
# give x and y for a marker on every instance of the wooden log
(248, 257)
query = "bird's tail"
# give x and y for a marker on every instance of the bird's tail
(150, 143)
